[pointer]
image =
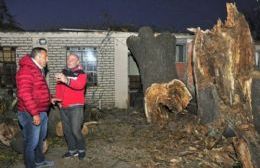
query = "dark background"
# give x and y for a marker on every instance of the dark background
(174, 15)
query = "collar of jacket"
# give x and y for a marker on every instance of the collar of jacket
(38, 65)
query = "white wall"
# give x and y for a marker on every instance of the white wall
(257, 47)
(132, 69)
(121, 69)
(257, 54)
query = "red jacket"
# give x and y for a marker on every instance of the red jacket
(73, 93)
(32, 90)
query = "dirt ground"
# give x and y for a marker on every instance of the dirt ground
(123, 139)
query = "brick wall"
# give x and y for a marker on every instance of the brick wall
(104, 93)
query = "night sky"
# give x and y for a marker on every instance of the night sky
(165, 14)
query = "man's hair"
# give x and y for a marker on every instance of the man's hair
(36, 51)
(75, 55)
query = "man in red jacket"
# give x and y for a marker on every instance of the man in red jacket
(33, 103)
(70, 91)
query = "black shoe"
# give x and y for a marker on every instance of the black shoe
(82, 155)
(70, 154)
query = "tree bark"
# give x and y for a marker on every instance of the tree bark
(8, 130)
(155, 56)
(223, 63)
(161, 98)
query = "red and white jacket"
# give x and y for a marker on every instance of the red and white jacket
(32, 90)
(73, 93)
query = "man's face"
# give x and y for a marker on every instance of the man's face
(72, 61)
(42, 59)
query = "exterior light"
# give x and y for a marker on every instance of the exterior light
(42, 41)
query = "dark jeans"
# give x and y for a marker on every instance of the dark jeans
(33, 138)
(72, 120)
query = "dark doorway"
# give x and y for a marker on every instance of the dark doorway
(134, 84)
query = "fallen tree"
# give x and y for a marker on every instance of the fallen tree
(223, 64)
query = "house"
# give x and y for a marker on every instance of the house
(104, 54)
(257, 54)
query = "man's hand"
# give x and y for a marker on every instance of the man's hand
(36, 119)
(61, 78)
(55, 100)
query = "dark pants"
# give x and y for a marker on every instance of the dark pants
(33, 138)
(72, 120)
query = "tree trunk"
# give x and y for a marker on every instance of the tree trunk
(54, 119)
(155, 56)
(256, 100)
(8, 130)
(163, 98)
(223, 63)
(17, 143)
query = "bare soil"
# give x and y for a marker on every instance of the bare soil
(123, 138)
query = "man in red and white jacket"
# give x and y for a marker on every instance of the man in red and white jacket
(33, 103)
(70, 95)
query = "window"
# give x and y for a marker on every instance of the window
(7, 66)
(257, 59)
(88, 59)
(180, 53)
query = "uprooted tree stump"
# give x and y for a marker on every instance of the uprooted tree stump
(223, 63)
(8, 129)
(160, 99)
(155, 56)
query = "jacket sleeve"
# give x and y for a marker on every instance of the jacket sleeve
(79, 83)
(59, 92)
(25, 91)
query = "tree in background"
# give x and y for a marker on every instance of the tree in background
(7, 21)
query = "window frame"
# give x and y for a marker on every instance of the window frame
(257, 59)
(184, 56)
(8, 66)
